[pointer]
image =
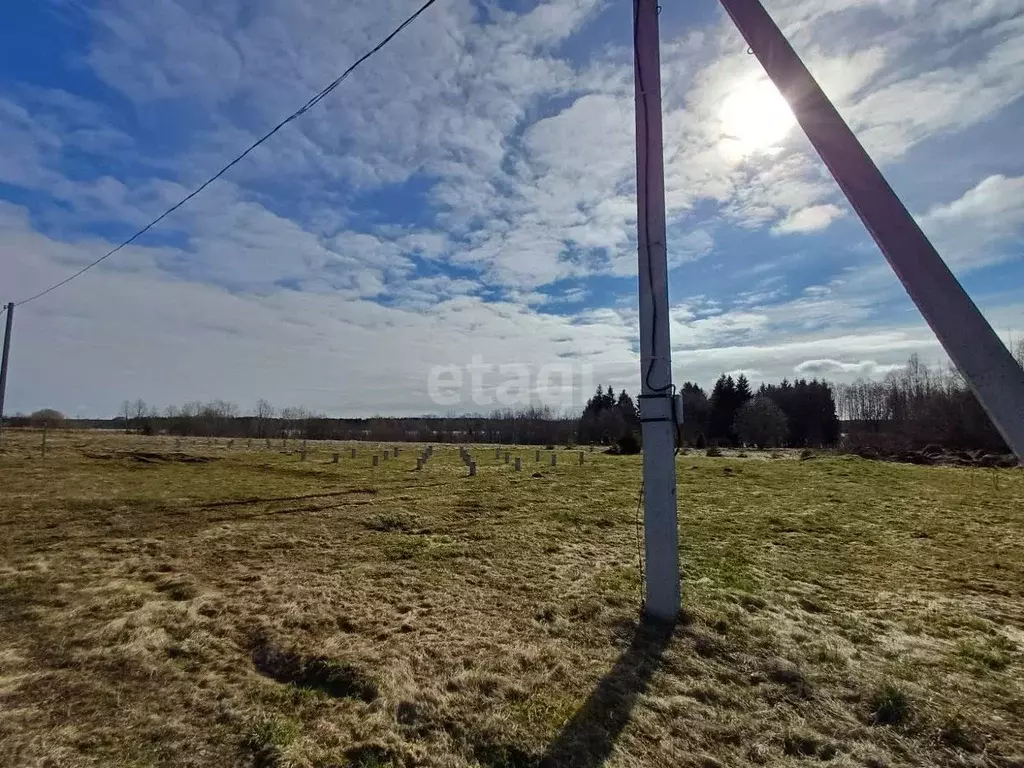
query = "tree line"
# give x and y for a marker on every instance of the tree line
(610, 420)
(793, 414)
(798, 414)
(916, 406)
(912, 407)
(218, 418)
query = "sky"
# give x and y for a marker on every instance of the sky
(460, 213)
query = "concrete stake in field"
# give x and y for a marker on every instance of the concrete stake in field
(353, 453)
(248, 443)
(419, 463)
(44, 440)
(538, 456)
(385, 455)
(230, 443)
(472, 468)
(519, 464)
(268, 442)
(395, 453)
(375, 457)
(302, 455)
(334, 459)
(497, 453)
(581, 458)
(507, 458)
(591, 449)
(554, 459)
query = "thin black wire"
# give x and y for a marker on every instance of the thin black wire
(308, 106)
(640, 548)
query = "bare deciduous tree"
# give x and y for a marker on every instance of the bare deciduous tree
(139, 410)
(915, 406)
(264, 413)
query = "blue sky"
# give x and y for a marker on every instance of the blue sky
(469, 194)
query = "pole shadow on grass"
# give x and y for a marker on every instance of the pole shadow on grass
(589, 737)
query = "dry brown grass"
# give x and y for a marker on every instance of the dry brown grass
(257, 610)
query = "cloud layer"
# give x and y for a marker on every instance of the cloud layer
(471, 192)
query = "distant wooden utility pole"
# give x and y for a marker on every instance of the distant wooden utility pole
(3, 364)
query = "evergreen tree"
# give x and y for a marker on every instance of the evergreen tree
(723, 411)
(743, 393)
(761, 423)
(810, 411)
(628, 410)
(696, 414)
(603, 421)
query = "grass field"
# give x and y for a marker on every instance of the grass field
(215, 606)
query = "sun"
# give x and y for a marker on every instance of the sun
(755, 118)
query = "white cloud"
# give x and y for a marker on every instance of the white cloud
(119, 334)
(966, 230)
(899, 115)
(829, 368)
(279, 284)
(812, 219)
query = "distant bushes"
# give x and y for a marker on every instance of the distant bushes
(46, 417)
(628, 444)
(529, 426)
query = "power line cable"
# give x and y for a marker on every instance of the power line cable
(305, 108)
(638, 520)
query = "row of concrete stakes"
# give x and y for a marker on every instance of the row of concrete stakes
(467, 460)
(375, 459)
(428, 453)
(471, 465)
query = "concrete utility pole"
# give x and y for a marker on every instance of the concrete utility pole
(986, 363)
(3, 363)
(661, 545)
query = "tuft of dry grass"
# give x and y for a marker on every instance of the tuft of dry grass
(217, 606)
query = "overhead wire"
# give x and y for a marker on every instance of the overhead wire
(320, 96)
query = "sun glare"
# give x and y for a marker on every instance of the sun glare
(755, 118)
